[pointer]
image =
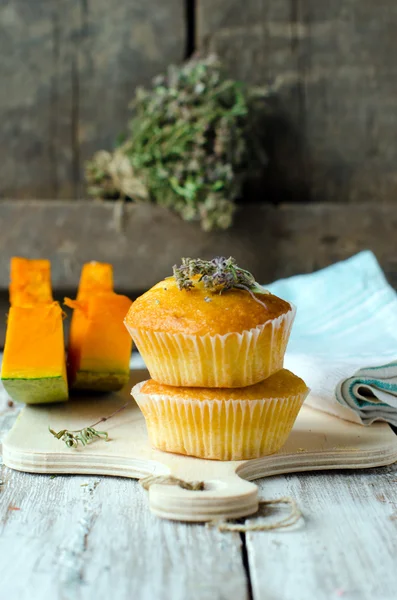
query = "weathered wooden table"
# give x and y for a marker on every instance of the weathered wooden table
(93, 537)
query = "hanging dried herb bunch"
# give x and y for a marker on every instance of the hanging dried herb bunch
(190, 145)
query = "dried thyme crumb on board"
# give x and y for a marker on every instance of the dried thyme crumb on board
(86, 435)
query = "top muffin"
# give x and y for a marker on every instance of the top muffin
(166, 308)
(210, 325)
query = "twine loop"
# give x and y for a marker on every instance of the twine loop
(193, 486)
(291, 519)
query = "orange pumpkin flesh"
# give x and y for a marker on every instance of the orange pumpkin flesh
(33, 368)
(95, 277)
(30, 282)
(99, 345)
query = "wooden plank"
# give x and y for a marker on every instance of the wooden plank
(81, 537)
(346, 546)
(271, 241)
(220, 15)
(70, 70)
(331, 135)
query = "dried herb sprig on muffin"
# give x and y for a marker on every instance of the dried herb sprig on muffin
(217, 275)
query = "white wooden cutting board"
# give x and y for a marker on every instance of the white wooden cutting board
(318, 441)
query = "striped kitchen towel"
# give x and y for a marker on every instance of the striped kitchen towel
(346, 319)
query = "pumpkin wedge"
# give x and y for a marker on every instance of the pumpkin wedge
(95, 277)
(99, 349)
(33, 369)
(30, 282)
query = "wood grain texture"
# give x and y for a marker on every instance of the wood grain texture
(331, 137)
(346, 546)
(67, 75)
(270, 241)
(81, 537)
(68, 538)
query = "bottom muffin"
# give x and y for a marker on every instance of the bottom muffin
(222, 424)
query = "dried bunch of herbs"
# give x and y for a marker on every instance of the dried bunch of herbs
(191, 144)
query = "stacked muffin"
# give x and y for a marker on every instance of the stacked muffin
(214, 345)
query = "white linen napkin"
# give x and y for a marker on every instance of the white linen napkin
(346, 319)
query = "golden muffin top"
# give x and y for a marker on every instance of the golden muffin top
(280, 385)
(205, 297)
(165, 308)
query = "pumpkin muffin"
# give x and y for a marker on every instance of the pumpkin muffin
(222, 424)
(210, 325)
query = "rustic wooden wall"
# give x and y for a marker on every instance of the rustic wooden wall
(68, 69)
(335, 65)
(147, 240)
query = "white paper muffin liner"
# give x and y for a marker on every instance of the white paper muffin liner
(230, 360)
(218, 429)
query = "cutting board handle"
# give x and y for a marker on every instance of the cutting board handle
(227, 498)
